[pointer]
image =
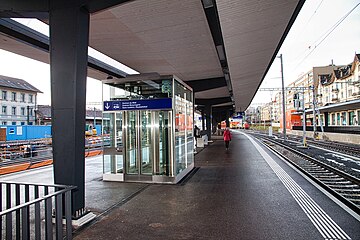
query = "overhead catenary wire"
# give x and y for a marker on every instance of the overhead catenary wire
(310, 18)
(327, 33)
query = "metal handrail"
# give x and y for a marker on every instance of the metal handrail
(18, 207)
(28, 215)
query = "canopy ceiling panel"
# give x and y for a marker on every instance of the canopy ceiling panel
(168, 37)
(252, 31)
(213, 93)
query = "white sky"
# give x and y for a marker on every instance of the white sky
(316, 18)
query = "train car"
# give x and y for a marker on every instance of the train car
(246, 125)
(235, 123)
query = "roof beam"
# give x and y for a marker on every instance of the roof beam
(40, 41)
(95, 5)
(213, 20)
(213, 101)
(40, 8)
(21, 8)
(206, 84)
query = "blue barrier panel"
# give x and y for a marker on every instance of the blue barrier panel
(98, 129)
(15, 132)
(36, 132)
(26, 132)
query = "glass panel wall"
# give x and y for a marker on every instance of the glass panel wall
(180, 160)
(184, 142)
(112, 143)
(189, 128)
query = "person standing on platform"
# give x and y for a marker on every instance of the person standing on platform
(227, 138)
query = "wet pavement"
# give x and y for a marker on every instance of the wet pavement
(232, 194)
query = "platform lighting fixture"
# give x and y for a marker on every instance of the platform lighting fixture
(221, 52)
(208, 3)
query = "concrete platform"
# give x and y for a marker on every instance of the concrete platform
(234, 194)
(243, 193)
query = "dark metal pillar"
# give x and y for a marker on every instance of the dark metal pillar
(69, 34)
(227, 118)
(208, 120)
(203, 119)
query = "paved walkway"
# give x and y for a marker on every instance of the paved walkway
(235, 194)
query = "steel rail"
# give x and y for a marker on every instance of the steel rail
(336, 192)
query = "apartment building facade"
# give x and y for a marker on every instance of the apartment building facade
(335, 91)
(341, 88)
(18, 102)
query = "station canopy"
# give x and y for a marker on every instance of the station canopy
(222, 48)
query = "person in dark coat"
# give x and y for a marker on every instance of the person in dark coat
(227, 138)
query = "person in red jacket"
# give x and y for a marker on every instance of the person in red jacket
(227, 137)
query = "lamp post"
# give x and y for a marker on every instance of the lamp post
(94, 117)
(283, 97)
(28, 115)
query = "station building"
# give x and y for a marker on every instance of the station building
(18, 101)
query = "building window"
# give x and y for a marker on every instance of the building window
(333, 119)
(30, 112)
(351, 118)
(22, 111)
(30, 123)
(4, 95)
(4, 123)
(22, 123)
(30, 98)
(13, 111)
(4, 110)
(343, 118)
(13, 123)
(22, 97)
(13, 96)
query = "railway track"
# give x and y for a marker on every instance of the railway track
(349, 149)
(338, 147)
(342, 185)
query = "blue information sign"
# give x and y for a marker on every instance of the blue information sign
(143, 104)
(239, 115)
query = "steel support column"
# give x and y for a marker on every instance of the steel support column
(227, 118)
(208, 120)
(69, 37)
(203, 119)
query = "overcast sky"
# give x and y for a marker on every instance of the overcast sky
(305, 46)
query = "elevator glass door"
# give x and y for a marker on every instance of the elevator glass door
(163, 164)
(147, 144)
(131, 142)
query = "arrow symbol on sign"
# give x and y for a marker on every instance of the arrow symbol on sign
(107, 106)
